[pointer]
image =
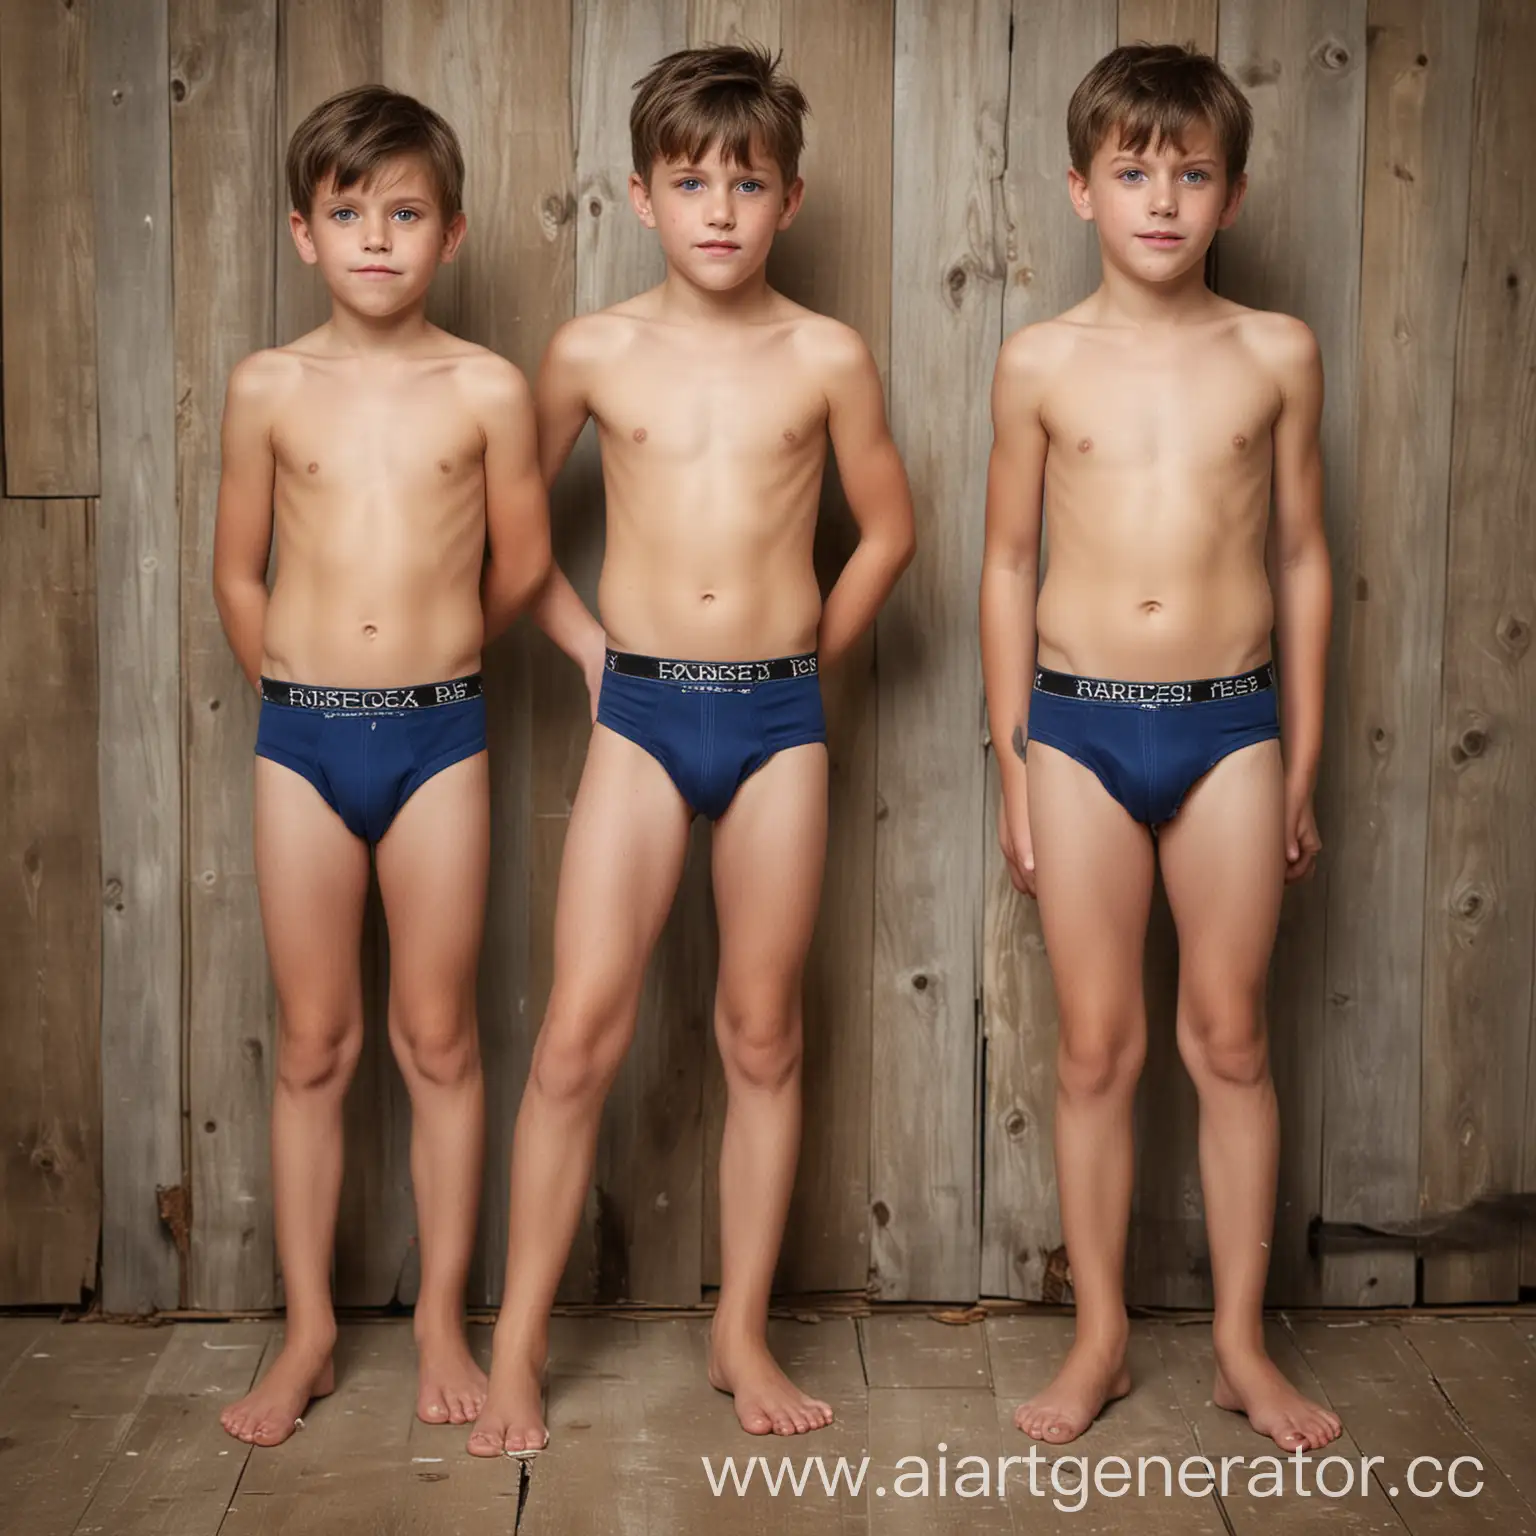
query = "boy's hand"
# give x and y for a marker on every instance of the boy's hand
(1013, 836)
(1302, 842)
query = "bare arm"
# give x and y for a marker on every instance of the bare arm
(1010, 562)
(516, 508)
(242, 540)
(875, 484)
(1303, 578)
(560, 402)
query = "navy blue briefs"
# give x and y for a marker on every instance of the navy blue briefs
(368, 750)
(1149, 743)
(711, 724)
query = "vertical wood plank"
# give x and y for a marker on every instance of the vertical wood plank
(223, 94)
(740, 21)
(1190, 22)
(1052, 261)
(1418, 143)
(137, 582)
(947, 273)
(50, 984)
(1296, 247)
(836, 258)
(47, 251)
(501, 76)
(1168, 1258)
(325, 46)
(1482, 827)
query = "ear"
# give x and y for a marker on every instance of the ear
(792, 200)
(1077, 190)
(298, 226)
(453, 237)
(1234, 202)
(640, 200)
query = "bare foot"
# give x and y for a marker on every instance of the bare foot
(767, 1401)
(451, 1387)
(275, 1406)
(1248, 1381)
(511, 1422)
(1090, 1376)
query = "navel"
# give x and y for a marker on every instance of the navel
(370, 630)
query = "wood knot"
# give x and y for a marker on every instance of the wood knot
(210, 1126)
(1470, 905)
(213, 706)
(44, 1159)
(1016, 1123)
(1024, 277)
(1421, 59)
(1402, 173)
(1514, 635)
(32, 861)
(1331, 54)
(252, 1049)
(882, 1213)
(595, 208)
(178, 90)
(1380, 741)
(556, 211)
(1362, 589)
(955, 280)
(1511, 281)
(1471, 743)
(920, 982)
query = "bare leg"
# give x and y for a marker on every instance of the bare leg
(312, 876)
(1093, 871)
(1224, 867)
(432, 867)
(623, 858)
(769, 851)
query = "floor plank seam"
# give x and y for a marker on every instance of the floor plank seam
(1464, 1424)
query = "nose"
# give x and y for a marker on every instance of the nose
(722, 213)
(375, 232)
(1165, 196)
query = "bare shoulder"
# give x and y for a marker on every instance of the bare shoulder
(490, 380)
(595, 338)
(1282, 345)
(832, 353)
(265, 377)
(1033, 354)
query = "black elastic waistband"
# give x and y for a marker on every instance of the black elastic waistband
(1205, 690)
(365, 701)
(724, 673)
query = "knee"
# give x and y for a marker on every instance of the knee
(578, 1056)
(1224, 1046)
(1099, 1064)
(317, 1054)
(440, 1047)
(759, 1047)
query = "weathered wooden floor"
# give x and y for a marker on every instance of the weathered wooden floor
(113, 1430)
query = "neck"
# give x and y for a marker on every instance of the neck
(379, 333)
(684, 300)
(1133, 301)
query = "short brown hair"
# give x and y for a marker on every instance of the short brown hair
(1151, 93)
(355, 133)
(733, 96)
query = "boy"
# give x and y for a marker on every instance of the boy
(392, 454)
(714, 398)
(1154, 420)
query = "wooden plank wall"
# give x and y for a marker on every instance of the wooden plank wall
(1389, 206)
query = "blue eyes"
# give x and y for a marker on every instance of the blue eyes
(349, 215)
(693, 184)
(1133, 177)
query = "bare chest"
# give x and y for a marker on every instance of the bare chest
(1124, 409)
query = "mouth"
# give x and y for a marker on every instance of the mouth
(376, 271)
(1161, 239)
(719, 247)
